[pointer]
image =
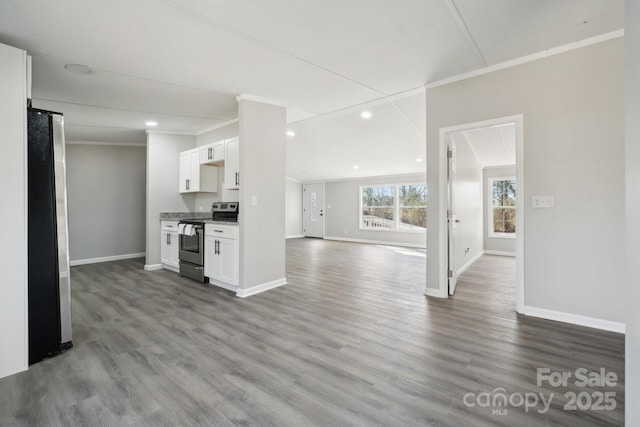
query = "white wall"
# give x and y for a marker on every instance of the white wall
(262, 169)
(203, 200)
(163, 179)
(496, 244)
(342, 211)
(572, 105)
(106, 186)
(13, 215)
(632, 291)
(293, 208)
(468, 204)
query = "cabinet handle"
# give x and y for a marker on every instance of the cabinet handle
(168, 239)
(210, 153)
(217, 250)
(188, 183)
(237, 178)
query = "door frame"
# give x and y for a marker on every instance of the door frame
(520, 202)
(304, 205)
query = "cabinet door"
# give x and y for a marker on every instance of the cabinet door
(212, 153)
(194, 160)
(185, 171)
(232, 164)
(211, 259)
(228, 261)
(174, 251)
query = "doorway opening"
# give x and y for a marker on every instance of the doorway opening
(482, 209)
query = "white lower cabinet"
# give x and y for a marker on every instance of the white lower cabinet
(169, 245)
(221, 255)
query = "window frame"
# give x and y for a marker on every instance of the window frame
(396, 208)
(490, 222)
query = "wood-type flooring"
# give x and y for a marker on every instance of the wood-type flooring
(350, 341)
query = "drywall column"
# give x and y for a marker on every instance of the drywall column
(163, 181)
(262, 195)
(632, 178)
(13, 245)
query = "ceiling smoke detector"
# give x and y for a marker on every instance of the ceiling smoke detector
(79, 69)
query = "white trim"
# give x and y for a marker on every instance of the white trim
(294, 236)
(293, 179)
(171, 268)
(168, 132)
(468, 264)
(575, 319)
(409, 176)
(105, 259)
(243, 293)
(218, 126)
(444, 134)
(499, 167)
(223, 285)
(254, 98)
(529, 58)
(430, 292)
(119, 144)
(500, 253)
(153, 267)
(376, 242)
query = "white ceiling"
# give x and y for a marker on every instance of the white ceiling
(492, 146)
(182, 62)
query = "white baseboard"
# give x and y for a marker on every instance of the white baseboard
(431, 292)
(294, 236)
(468, 264)
(243, 293)
(105, 259)
(500, 253)
(575, 319)
(171, 268)
(376, 242)
(153, 267)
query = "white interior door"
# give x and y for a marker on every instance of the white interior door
(452, 218)
(313, 210)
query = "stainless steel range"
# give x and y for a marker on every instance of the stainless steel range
(191, 236)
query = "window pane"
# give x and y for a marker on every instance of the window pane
(380, 218)
(504, 220)
(413, 195)
(504, 192)
(413, 219)
(378, 196)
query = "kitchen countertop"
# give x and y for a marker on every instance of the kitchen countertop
(205, 217)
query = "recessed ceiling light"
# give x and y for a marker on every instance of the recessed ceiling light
(365, 114)
(79, 69)
(356, 167)
(419, 160)
(291, 133)
(151, 123)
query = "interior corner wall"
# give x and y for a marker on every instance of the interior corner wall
(106, 187)
(293, 209)
(496, 244)
(203, 201)
(262, 194)
(572, 105)
(468, 204)
(163, 182)
(631, 295)
(13, 216)
(342, 212)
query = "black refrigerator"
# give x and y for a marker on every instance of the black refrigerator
(48, 242)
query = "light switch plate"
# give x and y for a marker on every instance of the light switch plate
(542, 202)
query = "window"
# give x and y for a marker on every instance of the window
(502, 207)
(401, 207)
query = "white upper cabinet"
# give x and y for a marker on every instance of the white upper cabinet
(195, 177)
(212, 153)
(232, 164)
